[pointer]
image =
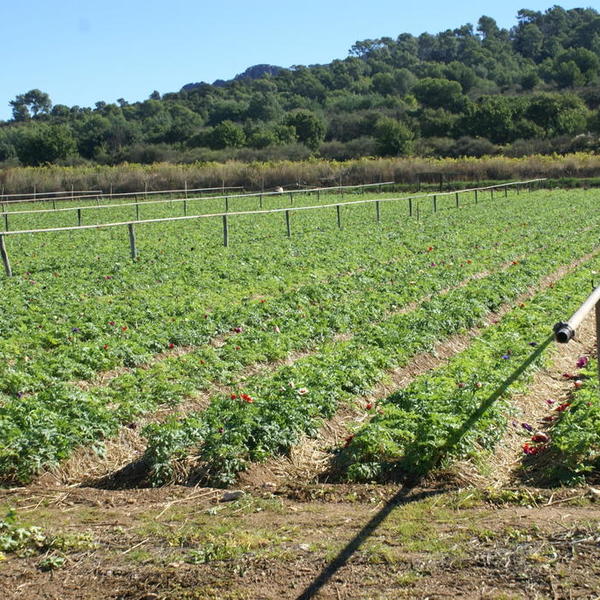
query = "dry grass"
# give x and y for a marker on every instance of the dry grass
(257, 176)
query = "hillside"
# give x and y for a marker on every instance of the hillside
(471, 91)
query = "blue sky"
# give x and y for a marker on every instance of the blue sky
(80, 52)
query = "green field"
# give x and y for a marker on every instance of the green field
(92, 341)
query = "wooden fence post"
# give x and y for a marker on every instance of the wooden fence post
(475, 196)
(5, 257)
(410, 208)
(132, 245)
(185, 208)
(5, 221)
(137, 210)
(225, 231)
(434, 203)
(456, 199)
(79, 217)
(260, 201)
(287, 223)
(226, 203)
(339, 216)
(378, 211)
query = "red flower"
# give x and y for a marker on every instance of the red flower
(348, 440)
(540, 437)
(171, 345)
(531, 450)
(247, 398)
(562, 407)
(123, 328)
(233, 396)
(105, 347)
(430, 249)
(369, 405)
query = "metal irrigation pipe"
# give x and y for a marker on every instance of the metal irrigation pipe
(564, 332)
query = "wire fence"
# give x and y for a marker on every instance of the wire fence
(414, 204)
(98, 194)
(185, 201)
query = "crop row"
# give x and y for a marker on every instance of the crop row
(322, 289)
(122, 316)
(299, 319)
(571, 447)
(461, 407)
(269, 414)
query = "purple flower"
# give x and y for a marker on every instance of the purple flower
(582, 362)
(75, 330)
(19, 394)
(527, 426)
(506, 356)
(534, 344)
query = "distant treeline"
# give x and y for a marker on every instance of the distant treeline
(471, 91)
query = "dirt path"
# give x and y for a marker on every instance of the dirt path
(326, 542)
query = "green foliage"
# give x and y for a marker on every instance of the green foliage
(263, 302)
(310, 130)
(575, 437)
(405, 78)
(439, 93)
(461, 407)
(227, 135)
(39, 144)
(34, 102)
(393, 138)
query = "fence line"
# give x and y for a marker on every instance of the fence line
(186, 200)
(34, 196)
(100, 194)
(259, 212)
(225, 216)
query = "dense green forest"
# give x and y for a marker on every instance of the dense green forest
(472, 91)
